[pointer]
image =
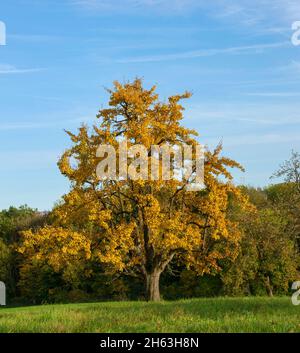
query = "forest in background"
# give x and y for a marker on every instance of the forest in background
(136, 238)
(267, 264)
(151, 238)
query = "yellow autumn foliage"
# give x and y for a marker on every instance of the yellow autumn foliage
(140, 226)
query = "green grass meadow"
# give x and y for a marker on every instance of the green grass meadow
(187, 316)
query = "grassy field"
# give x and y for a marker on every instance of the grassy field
(197, 315)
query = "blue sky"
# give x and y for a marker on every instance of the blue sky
(235, 56)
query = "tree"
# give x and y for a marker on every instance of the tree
(47, 252)
(287, 195)
(5, 261)
(290, 170)
(139, 227)
(12, 221)
(268, 259)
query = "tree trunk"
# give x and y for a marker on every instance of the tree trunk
(152, 286)
(269, 287)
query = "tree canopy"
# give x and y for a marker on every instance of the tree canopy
(138, 227)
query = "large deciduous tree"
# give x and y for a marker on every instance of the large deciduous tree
(138, 227)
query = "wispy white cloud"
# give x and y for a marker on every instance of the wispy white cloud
(25, 125)
(205, 53)
(257, 17)
(290, 8)
(231, 9)
(28, 160)
(252, 139)
(295, 66)
(244, 114)
(274, 94)
(255, 139)
(6, 69)
(31, 125)
(34, 37)
(260, 12)
(133, 5)
(245, 11)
